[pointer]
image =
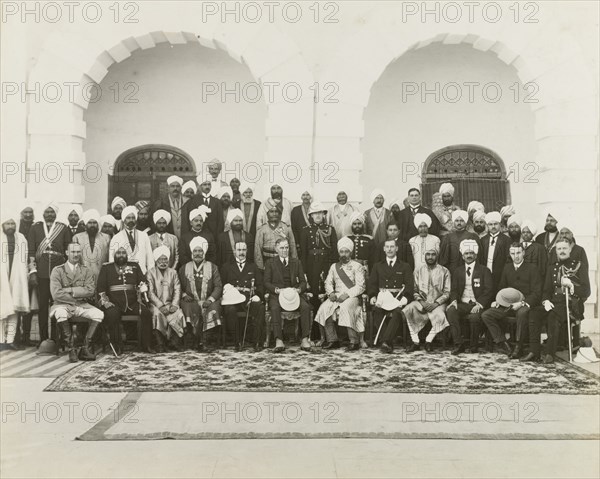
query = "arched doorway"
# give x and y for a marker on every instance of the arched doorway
(141, 173)
(477, 173)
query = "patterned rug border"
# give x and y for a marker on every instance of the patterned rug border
(57, 385)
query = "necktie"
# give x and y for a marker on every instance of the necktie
(161, 238)
(391, 264)
(469, 271)
(131, 240)
(206, 200)
(241, 266)
(493, 240)
(285, 263)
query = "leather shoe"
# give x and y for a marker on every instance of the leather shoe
(279, 349)
(332, 345)
(529, 357)
(258, 347)
(548, 359)
(473, 350)
(505, 348)
(429, 347)
(458, 349)
(516, 354)
(386, 348)
(353, 347)
(413, 347)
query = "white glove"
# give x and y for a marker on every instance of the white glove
(373, 301)
(403, 301)
(494, 305)
(548, 305)
(255, 299)
(143, 288)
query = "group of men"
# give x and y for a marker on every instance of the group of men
(210, 257)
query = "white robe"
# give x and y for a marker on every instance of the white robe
(339, 218)
(14, 292)
(142, 254)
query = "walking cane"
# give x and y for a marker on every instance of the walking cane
(385, 317)
(248, 312)
(569, 333)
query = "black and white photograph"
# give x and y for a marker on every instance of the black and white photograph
(299, 239)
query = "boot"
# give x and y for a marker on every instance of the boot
(176, 343)
(68, 338)
(158, 339)
(86, 353)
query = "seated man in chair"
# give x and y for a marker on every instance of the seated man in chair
(245, 276)
(71, 286)
(344, 284)
(118, 285)
(283, 275)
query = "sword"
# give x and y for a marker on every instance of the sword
(569, 333)
(248, 312)
(386, 315)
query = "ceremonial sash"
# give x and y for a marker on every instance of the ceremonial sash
(344, 276)
(51, 235)
(248, 220)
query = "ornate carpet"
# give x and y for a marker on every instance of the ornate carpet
(325, 371)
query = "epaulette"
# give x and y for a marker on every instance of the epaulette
(368, 236)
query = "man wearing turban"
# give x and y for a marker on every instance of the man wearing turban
(378, 217)
(478, 225)
(250, 207)
(300, 216)
(450, 256)
(73, 220)
(116, 209)
(173, 204)
(47, 242)
(202, 289)
(236, 197)
(24, 324)
(534, 252)
(339, 215)
(364, 249)
(213, 221)
(443, 206)
(267, 236)
(495, 247)
(277, 200)
(471, 293)
(224, 195)
(475, 208)
(423, 242)
(505, 213)
(108, 225)
(188, 190)
(94, 243)
(14, 293)
(164, 293)
(432, 291)
(197, 219)
(144, 222)
(344, 285)
(232, 235)
(136, 242)
(407, 216)
(161, 237)
(550, 234)
(26, 220)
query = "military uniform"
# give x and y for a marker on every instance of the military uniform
(118, 285)
(363, 250)
(318, 249)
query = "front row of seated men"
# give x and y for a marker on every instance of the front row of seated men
(198, 298)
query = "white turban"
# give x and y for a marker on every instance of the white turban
(198, 241)
(469, 245)
(110, 219)
(233, 214)
(161, 214)
(161, 251)
(201, 210)
(174, 179)
(225, 190)
(118, 201)
(514, 219)
(91, 215)
(346, 243)
(247, 186)
(478, 215)
(129, 210)
(189, 184)
(375, 193)
(357, 216)
(77, 209)
(7, 214)
(530, 225)
(475, 206)
(422, 218)
(447, 188)
(493, 216)
(507, 210)
(398, 202)
(460, 214)
(309, 191)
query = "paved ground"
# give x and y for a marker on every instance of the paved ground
(38, 431)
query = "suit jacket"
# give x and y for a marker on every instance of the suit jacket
(535, 254)
(298, 224)
(407, 223)
(541, 239)
(274, 274)
(377, 231)
(185, 253)
(404, 252)
(214, 220)
(230, 273)
(501, 256)
(384, 276)
(93, 259)
(481, 281)
(526, 279)
(250, 226)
